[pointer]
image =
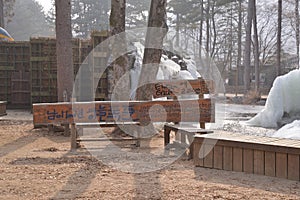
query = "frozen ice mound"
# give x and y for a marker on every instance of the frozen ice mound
(284, 97)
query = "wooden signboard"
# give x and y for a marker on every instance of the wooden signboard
(179, 87)
(124, 111)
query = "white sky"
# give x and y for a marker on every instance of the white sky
(46, 4)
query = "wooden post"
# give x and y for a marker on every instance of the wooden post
(201, 96)
(51, 129)
(138, 136)
(167, 132)
(73, 137)
(66, 130)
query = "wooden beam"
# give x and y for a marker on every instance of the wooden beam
(124, 111)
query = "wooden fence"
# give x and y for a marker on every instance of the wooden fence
(28, 69)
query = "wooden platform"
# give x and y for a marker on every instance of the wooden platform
(3, 108)
(251, 154)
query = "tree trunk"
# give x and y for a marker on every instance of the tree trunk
(177, 30)
(256, 48)
(207, 28)
(153, 47)
(247, 55)
(278, 59)
(297, 29)
(121, 79)
(239, 78)
(117, 16)
(65, 72)
(201, 29)
(214, 31)
(1, 14)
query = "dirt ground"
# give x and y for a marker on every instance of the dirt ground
(37, 165)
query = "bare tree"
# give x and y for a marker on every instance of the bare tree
(279, 31)
(153, 47)
(201, 28)
(267, 37)
(247, 55)
(214, 29)
(297, 29)
(117, 16)
(65, 72)
(1, 14)
(256, 48)
(207, 47)
(6, 11)
(239, 53)
(120, 65)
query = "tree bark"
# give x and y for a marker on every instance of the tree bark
(177, 29)
(214, 30)
(256, 48)
(65, 72)
(1, 14)
(117, 16)
(153, 47)
(247, 55)
(297, 29)
(201, 28)
(207, 28)
(278, 59)
(239, 55)
(121, 79)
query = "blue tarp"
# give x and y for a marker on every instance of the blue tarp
(4, 35)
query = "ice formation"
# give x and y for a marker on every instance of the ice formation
(168, 69)
(291, 131)
(284, 97)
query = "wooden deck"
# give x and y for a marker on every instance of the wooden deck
(251, 154)
(2, 108)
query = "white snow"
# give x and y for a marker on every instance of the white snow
(284, 97)
(191, 67)
(290, 131)
(168, 69)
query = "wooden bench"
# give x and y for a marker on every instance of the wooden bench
(247, 153)
(3, 108)
(107, 113)
(185, 132)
